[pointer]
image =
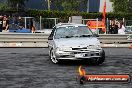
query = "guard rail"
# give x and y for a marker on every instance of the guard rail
(41, 40)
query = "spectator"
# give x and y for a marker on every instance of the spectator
(122, 28)
(1, 22)
(5, 24)
(116, 27)
(15, 20)
(112, 26)
(20, 22)
(32, 25)
(10, 20)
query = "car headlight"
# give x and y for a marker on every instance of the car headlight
(94, 47)
(64, 49)
(98, 47)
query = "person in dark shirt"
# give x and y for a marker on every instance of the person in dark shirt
(112, 26)
(116, 27)
(1, 22)
(20, 23)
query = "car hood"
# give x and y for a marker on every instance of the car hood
(76, 42)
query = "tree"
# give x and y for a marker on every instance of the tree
(120, 5)
(3, 6)
(129, 6)
(16, 4)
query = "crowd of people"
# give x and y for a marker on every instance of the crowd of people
(116, 27)
(18, 21)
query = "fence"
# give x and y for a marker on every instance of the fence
(49, 23)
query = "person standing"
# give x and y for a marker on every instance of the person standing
(116, 27)
(32, 25)
(112, 26)
(20, 22)
(122, 28)
(5, 24)
(1, 22)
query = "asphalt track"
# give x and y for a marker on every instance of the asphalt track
(31, 68)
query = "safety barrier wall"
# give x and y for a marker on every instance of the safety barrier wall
(41, 40)
(23, 40)
(115, 40)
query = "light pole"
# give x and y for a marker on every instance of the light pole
(88, 6)
(49, 5)
(48, 2)
(17, 7)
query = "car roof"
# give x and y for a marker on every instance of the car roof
(68, 24)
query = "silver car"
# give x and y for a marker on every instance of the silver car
(69, 41)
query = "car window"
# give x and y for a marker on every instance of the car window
(72, 31)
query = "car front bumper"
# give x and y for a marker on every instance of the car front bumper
(79, 55)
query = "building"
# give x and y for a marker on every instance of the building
(97, 6)
(109, 7)
(37, 4)
(92, 5)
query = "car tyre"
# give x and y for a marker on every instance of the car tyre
(53, 57)
(98, 61)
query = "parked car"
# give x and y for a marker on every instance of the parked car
(69, 41)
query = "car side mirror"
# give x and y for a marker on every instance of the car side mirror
(50, 38)
(95, 35)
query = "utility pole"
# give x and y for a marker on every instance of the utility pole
(17, 7)
(49, 5)
(88, 6)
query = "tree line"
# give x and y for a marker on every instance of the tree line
(122, 6)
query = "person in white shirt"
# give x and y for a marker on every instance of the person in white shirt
(121, 29)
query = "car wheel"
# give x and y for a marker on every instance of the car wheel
(98, 61)
(53, 57)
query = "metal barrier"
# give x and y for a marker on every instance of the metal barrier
(41, 40)
(114, 38)
(23, 40)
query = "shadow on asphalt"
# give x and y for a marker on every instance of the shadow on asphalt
(78, 63)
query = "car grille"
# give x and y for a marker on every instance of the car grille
(85, 48)
(80, 48)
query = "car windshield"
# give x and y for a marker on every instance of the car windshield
(72, 31)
